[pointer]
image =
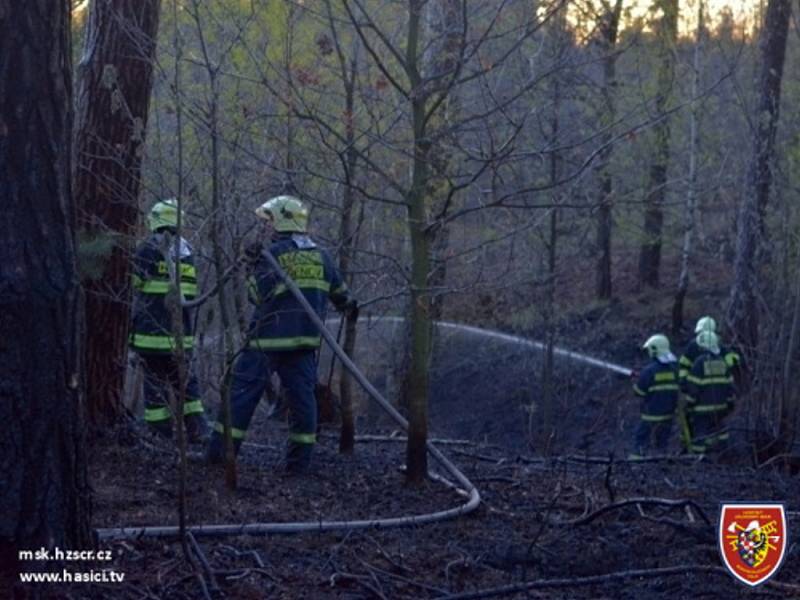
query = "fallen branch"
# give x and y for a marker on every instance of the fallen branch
(634, 501)
(386, 556)
(699, 533)
(482, 457)
(203, 587)
(369, 437)
(424, 586)
(602, 460)
(237, 553)
(778, 457)
(360, 579)
(203, 561)
(591, 580)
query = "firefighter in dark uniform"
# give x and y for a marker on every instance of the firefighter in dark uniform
(281, 337)
(709, 394)
(657, 385)
(152, 334)
(693, 350)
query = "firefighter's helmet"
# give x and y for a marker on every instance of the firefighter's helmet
(287, 213)
(708, 340)
(705, 324)
(163, 214)
(657, 346)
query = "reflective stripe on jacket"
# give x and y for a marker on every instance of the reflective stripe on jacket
(279, 322)
(151, 329)
(658, 387)
(709, 384)
(693, 351)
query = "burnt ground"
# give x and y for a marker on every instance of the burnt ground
(553, 521)
(562, 524)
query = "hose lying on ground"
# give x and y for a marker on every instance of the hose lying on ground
(474, 499)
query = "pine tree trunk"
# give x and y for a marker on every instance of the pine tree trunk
(43, 494)
(116, 73)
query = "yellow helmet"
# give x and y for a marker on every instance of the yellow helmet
(287, 214)
(657, 345)
(163, 214)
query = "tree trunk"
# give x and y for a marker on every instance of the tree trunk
(416, 450)
(445, 32)
(608, 41)
(116, 73)
(44, 493)
(650, 251)
(348, 231)
(541, 424)
(691, 194)
(742, 314)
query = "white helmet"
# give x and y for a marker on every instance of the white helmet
(657, 346)
(708, 340)
(705, 324)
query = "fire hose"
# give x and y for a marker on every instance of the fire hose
(473, 501)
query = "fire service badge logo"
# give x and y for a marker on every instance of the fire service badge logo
(752, 540)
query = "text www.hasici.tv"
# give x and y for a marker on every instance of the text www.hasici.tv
(66, 575)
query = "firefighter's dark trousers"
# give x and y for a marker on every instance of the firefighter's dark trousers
(297, 370)
(652, 433)
(709, 432)
(161, 378)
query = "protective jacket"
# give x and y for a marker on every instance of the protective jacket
(709, 394)
(709, 384)
(279, 323)
(282, 339)
(152, 321)
(693, 351)
(658, 386)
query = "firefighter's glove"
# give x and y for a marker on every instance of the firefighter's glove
(351, 309)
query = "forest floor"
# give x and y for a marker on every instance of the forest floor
(582, 523)
(559, 525)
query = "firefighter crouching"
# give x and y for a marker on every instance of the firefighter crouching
(281, 337)
(709, 394)
(657, 385)
(152, 335)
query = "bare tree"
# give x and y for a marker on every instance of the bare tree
(115, 79)
(607, 41)
(694, 152)
(742, 315)
(650, 251)
(348, 63)
(43, 498)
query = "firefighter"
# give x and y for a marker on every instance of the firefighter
(709, 394)
(693, 350)
(282, 337)
(152, 336)
(657, 385)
